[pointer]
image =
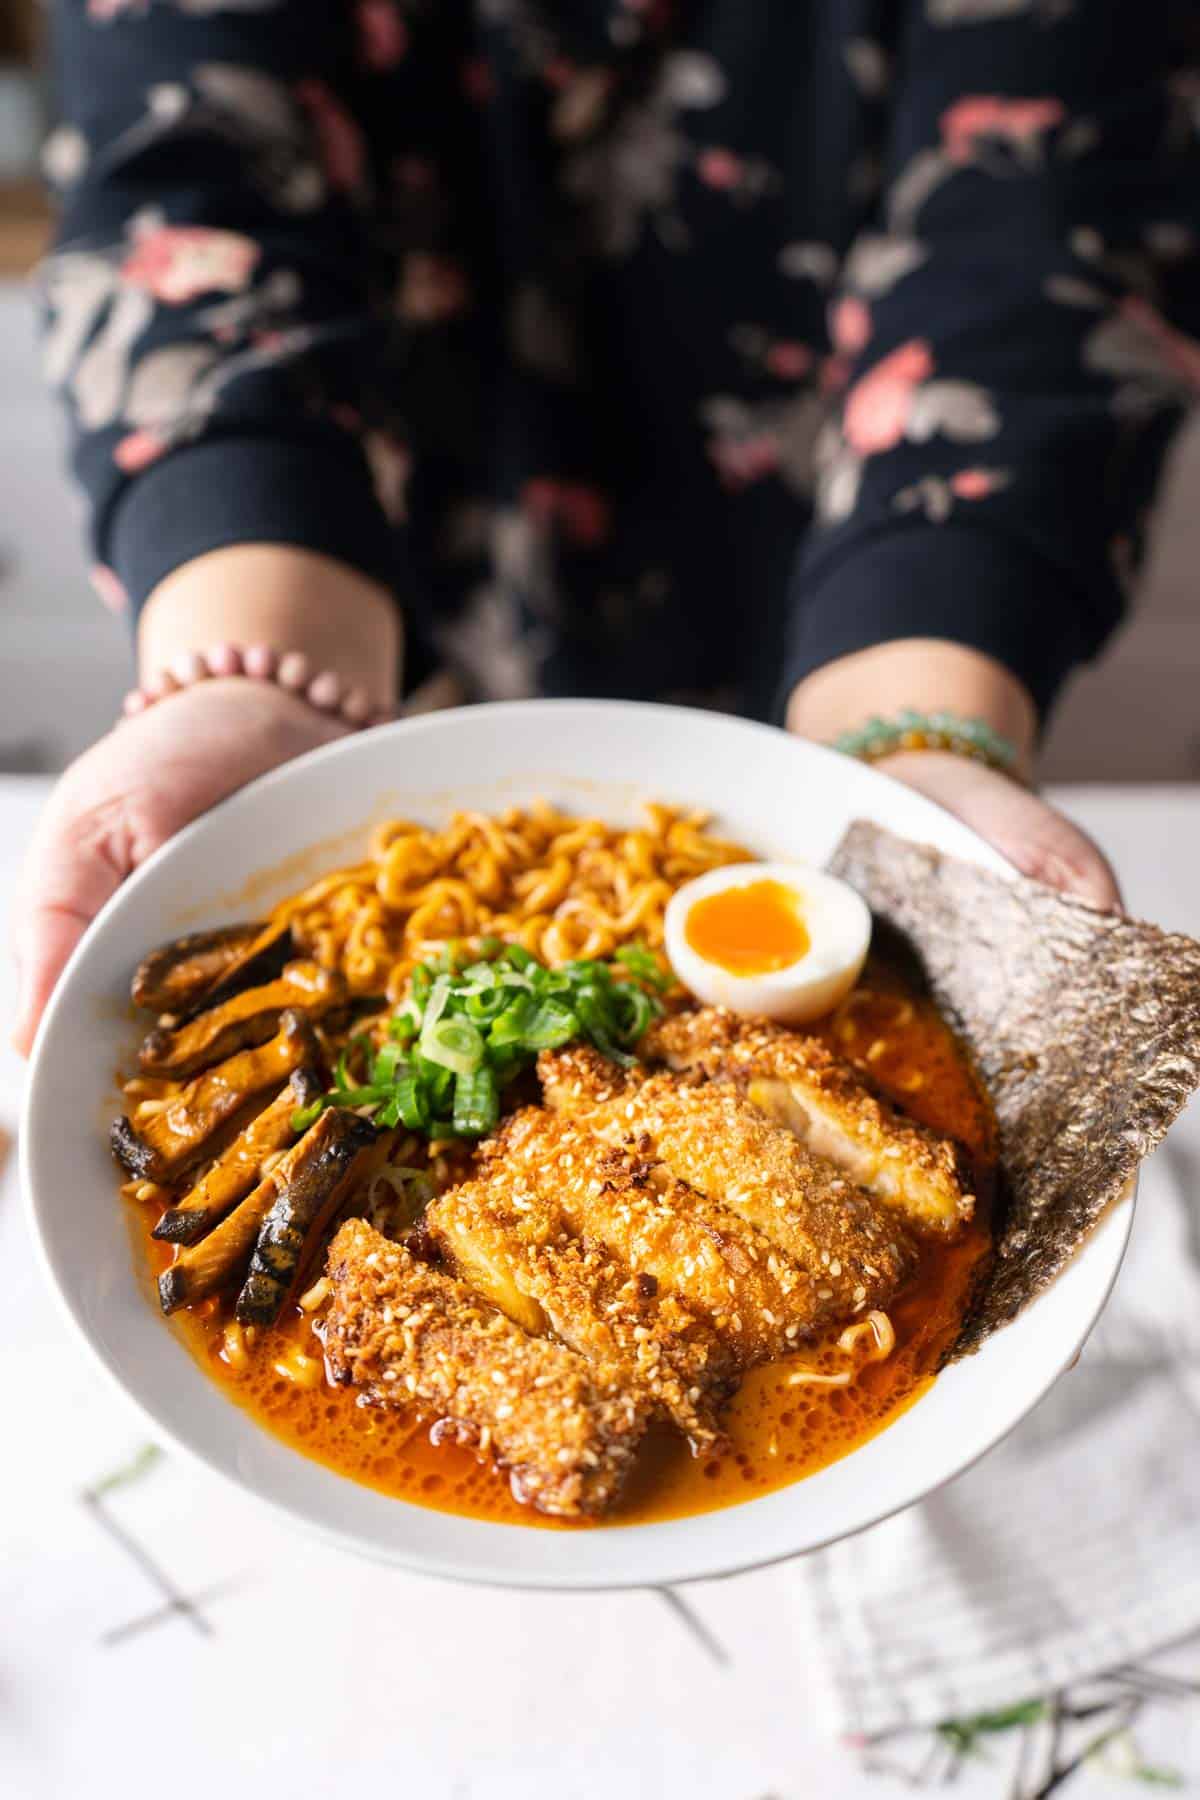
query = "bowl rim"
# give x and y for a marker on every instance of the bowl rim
(1112, 1232)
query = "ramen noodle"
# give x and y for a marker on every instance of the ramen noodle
(562, 887)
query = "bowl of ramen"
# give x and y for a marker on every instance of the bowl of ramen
(499, 1143)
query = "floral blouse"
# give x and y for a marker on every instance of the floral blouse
(644, 347)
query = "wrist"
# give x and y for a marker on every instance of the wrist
(274, 595)
(925, 674)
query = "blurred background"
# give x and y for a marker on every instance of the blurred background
(65, 661)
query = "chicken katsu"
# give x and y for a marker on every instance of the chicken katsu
(507, 1233)
(709, 1136)
(403, 1332)
(825, 1102)
(757, 1299)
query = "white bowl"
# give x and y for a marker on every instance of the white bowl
(783, 798)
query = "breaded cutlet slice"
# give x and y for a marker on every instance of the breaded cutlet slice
(757, 1299)
(710, 1136)
(801, 1084)
(510, 1241)
(405, 1333)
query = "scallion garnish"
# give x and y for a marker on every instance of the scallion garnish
(474, 1018)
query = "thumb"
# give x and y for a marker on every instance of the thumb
(74, 865)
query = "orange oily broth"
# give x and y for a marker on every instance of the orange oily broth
(778, 1432)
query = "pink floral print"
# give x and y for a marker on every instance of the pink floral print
(177, 263)
(583, 514)
(382, 33)
(979, 118)
(850, 325)
(339, 138)
(631, 294)
(878, 405)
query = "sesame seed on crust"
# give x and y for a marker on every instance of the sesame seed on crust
(800, 1083)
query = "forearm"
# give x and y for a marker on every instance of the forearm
(926, 674)
(288, 598)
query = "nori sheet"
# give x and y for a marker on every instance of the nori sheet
(1085, 1027)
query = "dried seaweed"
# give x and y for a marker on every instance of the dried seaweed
(1085, 1027)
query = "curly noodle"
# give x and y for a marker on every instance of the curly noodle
(563, 887)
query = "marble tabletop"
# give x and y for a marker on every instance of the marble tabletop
(162, 1635)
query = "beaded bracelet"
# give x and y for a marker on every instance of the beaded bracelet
(289, 669)
(910, 730)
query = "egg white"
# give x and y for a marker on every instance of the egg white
(836, 918)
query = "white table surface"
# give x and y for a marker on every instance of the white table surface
(285, 1662)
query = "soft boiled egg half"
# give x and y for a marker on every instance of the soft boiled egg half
(779, 940)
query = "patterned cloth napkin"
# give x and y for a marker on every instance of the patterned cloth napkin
(1074, 1547)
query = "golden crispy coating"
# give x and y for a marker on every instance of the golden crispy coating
(709, 1135)
(798, 1082)
(759, 1301)
(511, 1242)
(409, 1335)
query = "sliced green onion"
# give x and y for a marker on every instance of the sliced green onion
(361, 1096)
(633, 1010)
(386, 1063)
(304, 1116)
(509, 1028)
(341, 1075)
(475, 1017)
(476, 1103)
(404, 1025)
(453, 1043)
(435, 1005)
(645, 967)
(483, 1008)
(407, 1105)
(549, 1026)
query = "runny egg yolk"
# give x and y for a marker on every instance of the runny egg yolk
(750, 930)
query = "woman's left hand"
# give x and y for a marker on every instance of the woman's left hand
(1032, 835)
(933, 675)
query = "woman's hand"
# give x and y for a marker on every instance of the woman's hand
(128, 794)
(931, 675)
(1036, 839)
(156, 772)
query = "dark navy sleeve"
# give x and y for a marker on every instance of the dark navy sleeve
(1013, 338)
(207, 317)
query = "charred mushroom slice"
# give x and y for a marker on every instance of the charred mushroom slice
(307, 1197)
(176, 1134)
(220, 1259)
(239, 1023)
(175, 975)
(239, 1166)
(259, 960)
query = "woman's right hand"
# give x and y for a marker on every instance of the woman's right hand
(128, 794)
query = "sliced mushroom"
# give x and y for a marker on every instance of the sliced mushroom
(239, 1166)
(306, 1199)
(259, 960)
(176, 1136)
(176, 974)
(242, 1021)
